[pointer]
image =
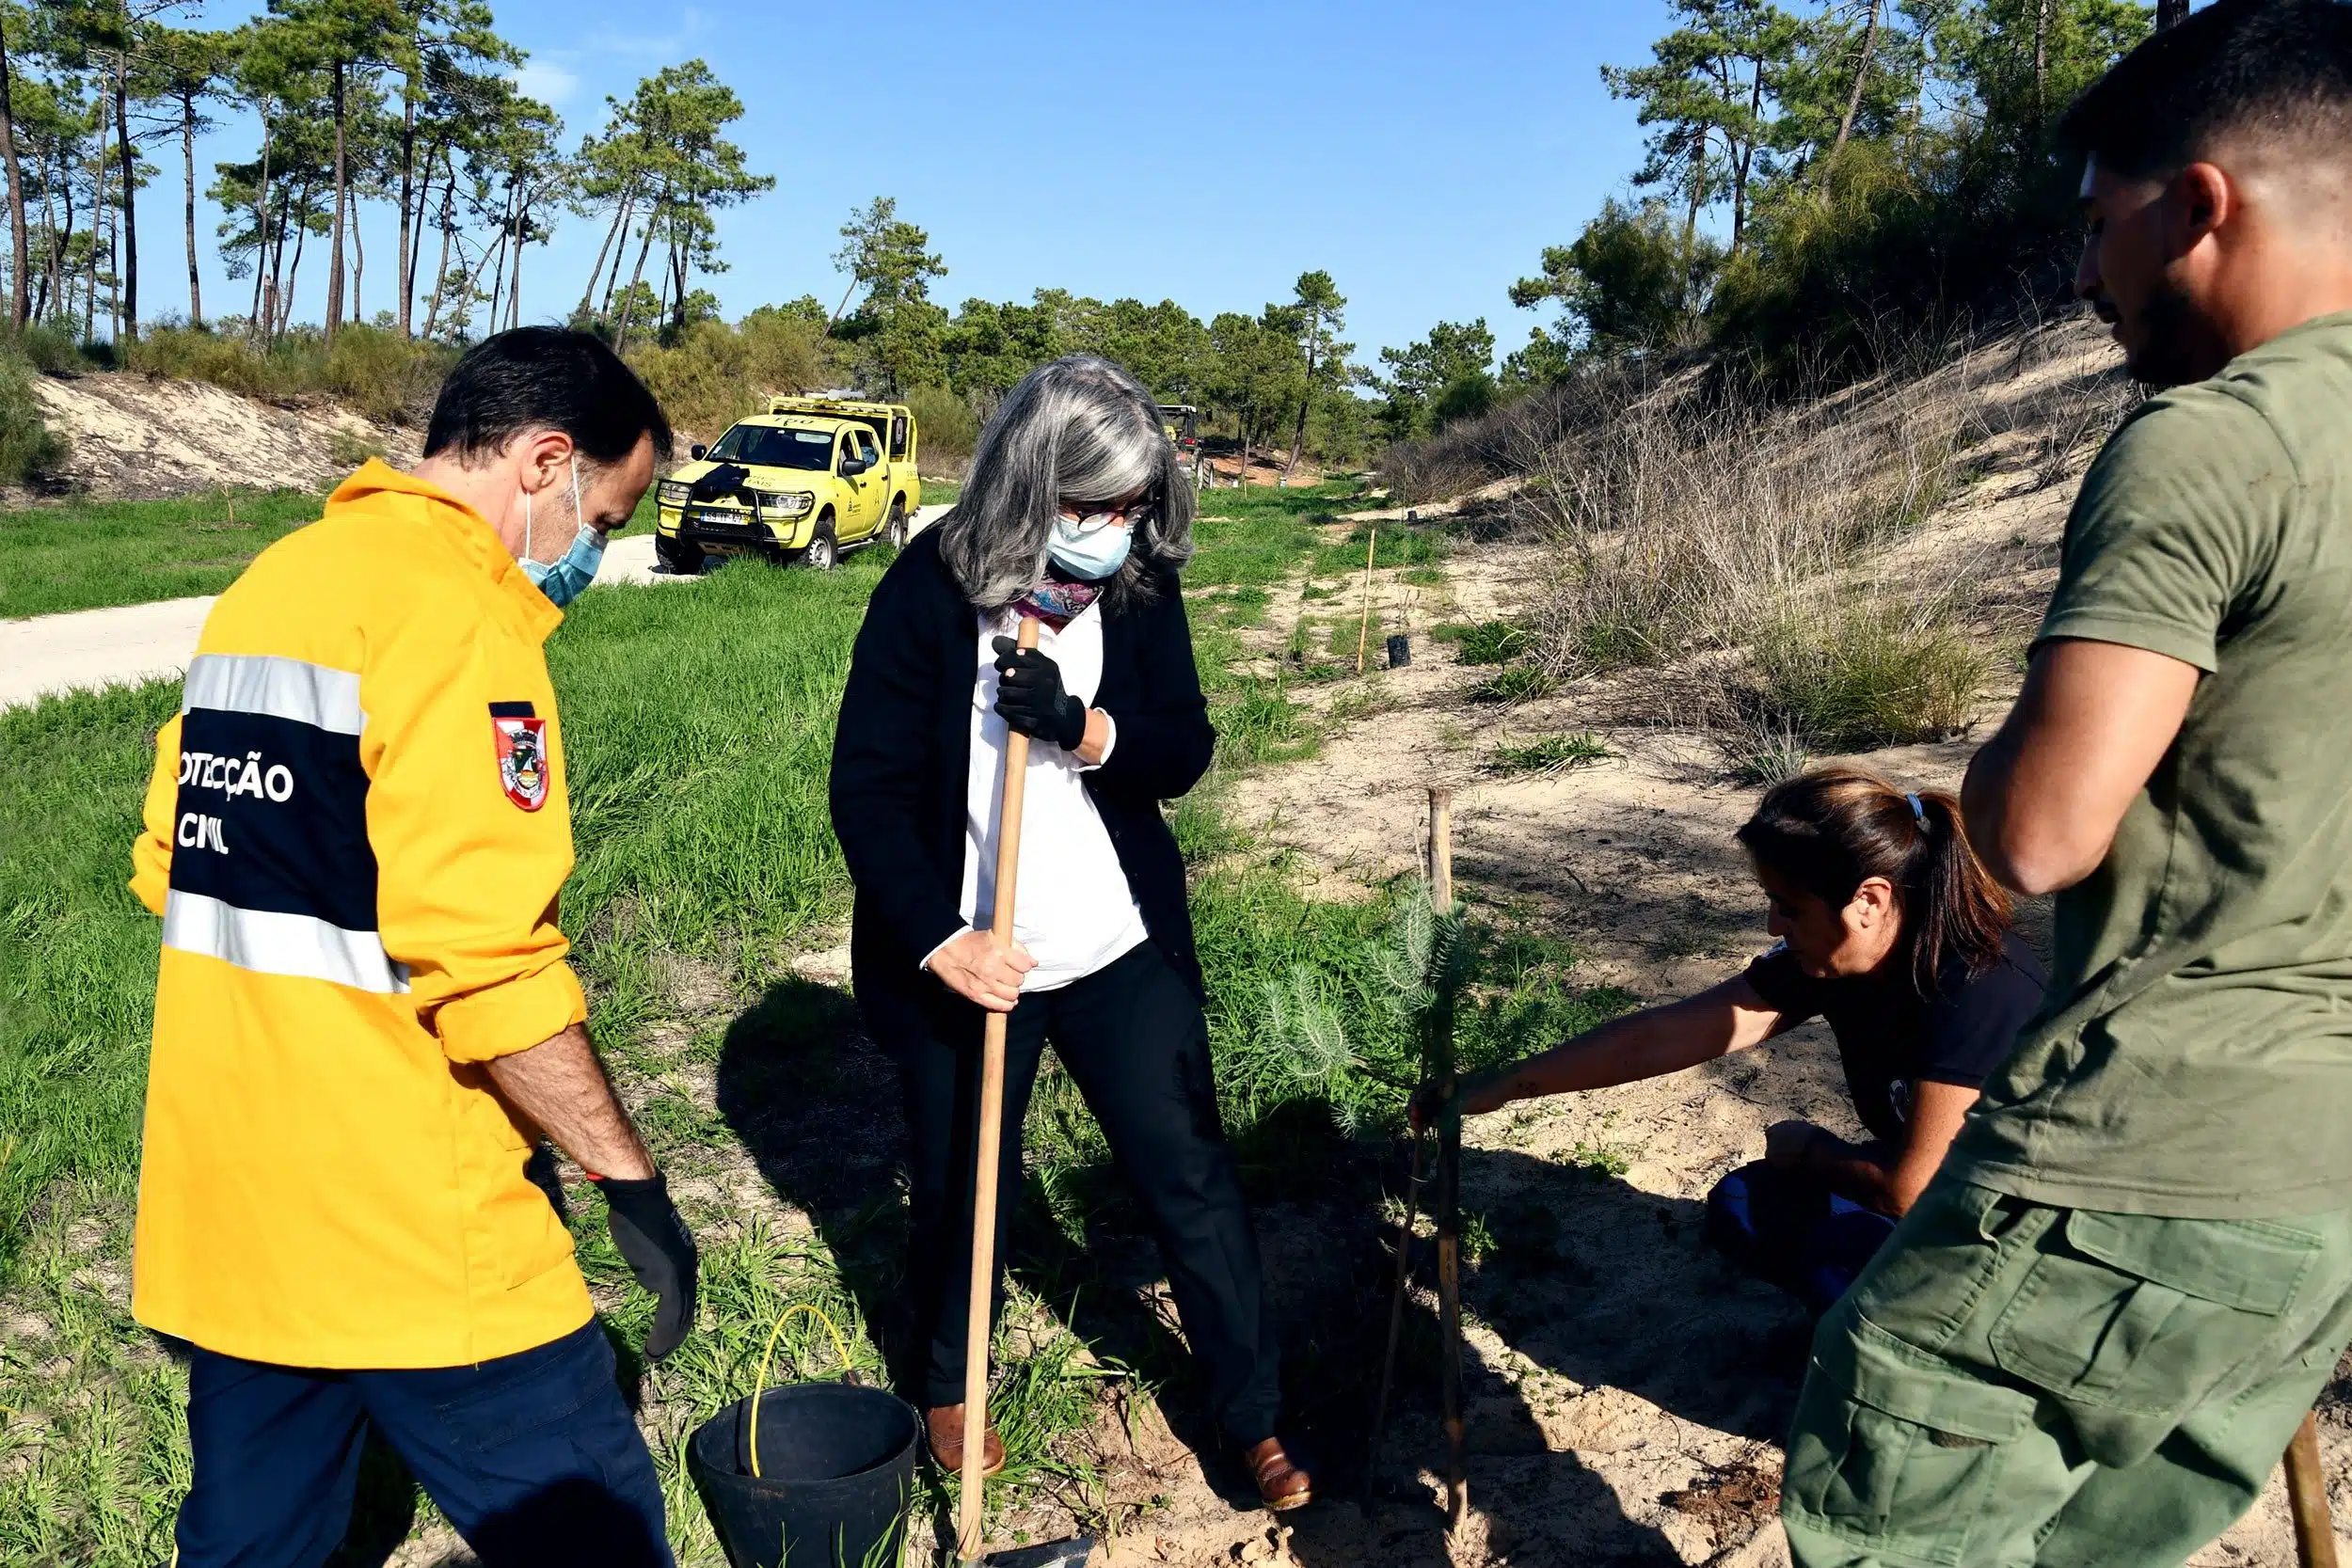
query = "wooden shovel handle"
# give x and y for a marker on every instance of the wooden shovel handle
(988, 1148)
(2306, 1498)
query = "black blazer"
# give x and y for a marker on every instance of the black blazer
(901, 752)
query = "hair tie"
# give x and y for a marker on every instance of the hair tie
(1918, 812)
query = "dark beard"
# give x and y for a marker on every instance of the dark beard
(2170, 355)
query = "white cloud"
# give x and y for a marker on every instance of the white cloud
(547, 82)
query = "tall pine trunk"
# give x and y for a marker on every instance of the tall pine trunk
(358, 270)
(127, 263)
(404, 261)
(620, 216)
(20, 301)
(628, 300)
(261, 229)
(412, 249)
(2040, 64)
(1861, 75)
(1299, 436)
(515, 286)
(1747, 158)
(1698, 192)
(335, 255)
(187, 151)
(495, 260)
(440, 270)
(301, 213)
(612, 284)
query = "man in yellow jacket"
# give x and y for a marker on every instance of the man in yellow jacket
(364, 1022)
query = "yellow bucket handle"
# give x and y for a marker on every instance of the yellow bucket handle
(759, 1383)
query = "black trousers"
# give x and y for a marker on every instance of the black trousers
(1133, 1037)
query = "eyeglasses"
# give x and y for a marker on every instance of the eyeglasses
(1133, 515)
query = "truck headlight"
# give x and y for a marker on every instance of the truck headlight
(786, 503)
(675, 492)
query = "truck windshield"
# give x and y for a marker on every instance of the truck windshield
(762, 446)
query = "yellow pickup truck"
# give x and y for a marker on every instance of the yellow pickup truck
(807, 480)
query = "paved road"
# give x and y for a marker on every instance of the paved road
(110, 647)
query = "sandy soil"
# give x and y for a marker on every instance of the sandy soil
(134, 436)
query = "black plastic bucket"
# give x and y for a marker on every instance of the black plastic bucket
(1399, 652)
(835, 1482)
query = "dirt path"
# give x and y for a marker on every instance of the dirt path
(46, 655)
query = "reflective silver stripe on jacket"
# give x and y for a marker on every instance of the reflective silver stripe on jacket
(280, 688)
(269, 943)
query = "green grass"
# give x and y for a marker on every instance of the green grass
(1486, 641)
(1415, 544)
(698, 724)
(1551, 753)
(86, 555)
(1517, 684)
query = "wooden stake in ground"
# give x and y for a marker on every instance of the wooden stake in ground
(988, 1148)
(1446, 1207)
(1396, 1323)
(1365, 624)
(2306, 1498)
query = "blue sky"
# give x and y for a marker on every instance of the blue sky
(1424, 154)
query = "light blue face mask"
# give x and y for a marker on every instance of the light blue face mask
(1092, 552)
(571, 573)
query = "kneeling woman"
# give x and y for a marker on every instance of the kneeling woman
(1891, 929)
(1075, 514)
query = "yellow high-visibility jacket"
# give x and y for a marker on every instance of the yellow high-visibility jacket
(356, 833)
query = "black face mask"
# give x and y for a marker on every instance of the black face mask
(724, 480)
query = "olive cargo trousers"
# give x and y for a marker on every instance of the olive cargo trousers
(2010, 1383)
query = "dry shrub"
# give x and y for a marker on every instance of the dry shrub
(1717, 534)
(1514, 435)
(1870, 670)
(1681, 525)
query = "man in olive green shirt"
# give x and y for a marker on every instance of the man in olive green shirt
(2093, 1336)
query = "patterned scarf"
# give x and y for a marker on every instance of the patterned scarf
(1056, 604)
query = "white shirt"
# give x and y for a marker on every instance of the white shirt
(1072, 909)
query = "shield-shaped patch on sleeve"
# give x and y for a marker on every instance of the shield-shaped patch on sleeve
(522, 753)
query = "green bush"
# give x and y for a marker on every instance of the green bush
(1551, 753)
(52, 349)
(26, 444)
(1485, 643)
(945, 422)
(371, 369)
(198, 353)
(713, 374)
(385, 377)
(1868, 673)
(1520, 683)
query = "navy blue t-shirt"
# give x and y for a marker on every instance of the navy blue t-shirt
(1889, 1037)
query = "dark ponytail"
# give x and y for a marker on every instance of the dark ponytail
(1832, 826)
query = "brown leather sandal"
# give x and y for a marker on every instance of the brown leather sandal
(942, 1426)
(1282, 1485)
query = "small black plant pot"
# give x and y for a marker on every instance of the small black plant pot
(1399, 652)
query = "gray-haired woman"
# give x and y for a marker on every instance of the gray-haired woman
(1075, 514)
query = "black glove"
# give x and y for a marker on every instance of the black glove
(1029, 695)
(660, 1250)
